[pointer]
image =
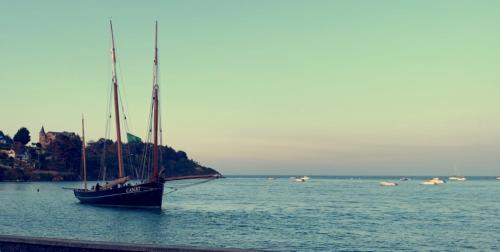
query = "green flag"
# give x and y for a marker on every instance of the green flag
(133, 139)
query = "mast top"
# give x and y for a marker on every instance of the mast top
(156, 43)
(112, 41)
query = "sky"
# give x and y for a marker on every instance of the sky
(269, 87)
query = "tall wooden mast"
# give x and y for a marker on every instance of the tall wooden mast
(155, 108)
(84, 159)
(117, 110)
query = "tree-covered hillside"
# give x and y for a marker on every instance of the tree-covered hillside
(61, 160)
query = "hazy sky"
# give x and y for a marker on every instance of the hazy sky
(270, 87)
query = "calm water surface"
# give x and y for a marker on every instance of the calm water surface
(323, 214)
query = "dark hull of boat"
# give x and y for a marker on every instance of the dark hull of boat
(144, 195)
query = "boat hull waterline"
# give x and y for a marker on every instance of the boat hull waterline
(147, 195)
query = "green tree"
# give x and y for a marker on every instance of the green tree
(66, 153)
(22, 136)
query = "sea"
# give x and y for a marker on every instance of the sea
(254, 212)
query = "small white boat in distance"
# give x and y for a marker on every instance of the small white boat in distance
(388, 183)
(404, 179)
(457, 178)
(433, 181)
(428, 182)
(498, 178)
(301, 179)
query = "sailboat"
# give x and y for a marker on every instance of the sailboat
(456, 177)
(388, 183)
(117, 192)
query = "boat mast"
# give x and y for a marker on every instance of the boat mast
(84, 159)
(155, 108)
(117, 110)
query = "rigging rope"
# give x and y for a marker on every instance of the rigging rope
(123, 104)
(174, 189)
(102, 168)
(147, 154)
(121, 101)
(160, 99)
(161, 132)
